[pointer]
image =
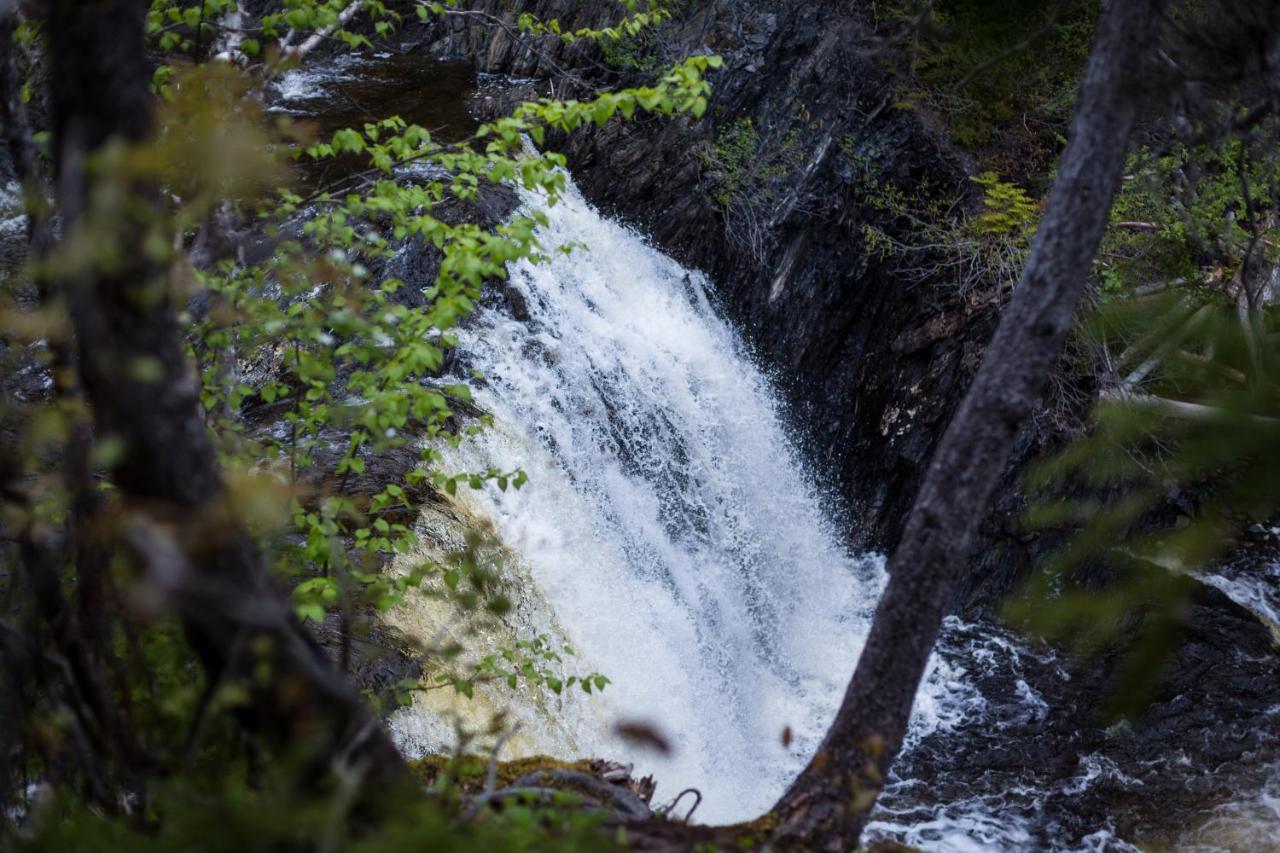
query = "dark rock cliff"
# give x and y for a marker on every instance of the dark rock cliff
(776, 195)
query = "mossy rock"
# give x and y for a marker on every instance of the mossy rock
(468, 772)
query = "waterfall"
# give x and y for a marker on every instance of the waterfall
(668, 521)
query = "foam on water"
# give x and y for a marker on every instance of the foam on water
(13, 217)
(1258, 591)
(311, 83)
(1246, 823)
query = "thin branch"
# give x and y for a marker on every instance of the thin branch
(1214, 366)
(318, 37)
(1185, 410)
(491, 775)
(670, 807)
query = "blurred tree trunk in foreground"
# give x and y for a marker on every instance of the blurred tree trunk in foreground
(180, 524)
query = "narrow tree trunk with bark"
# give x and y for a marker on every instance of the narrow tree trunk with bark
(143, 394)
(828, 805)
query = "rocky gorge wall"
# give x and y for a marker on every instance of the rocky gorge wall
(778, 194)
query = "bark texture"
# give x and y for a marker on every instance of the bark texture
(828, 805)
(201, 561)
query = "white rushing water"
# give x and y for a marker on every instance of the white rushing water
(671, 531)
(1257, 591)
(668, 519)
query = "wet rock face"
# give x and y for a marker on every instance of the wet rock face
(486, 33)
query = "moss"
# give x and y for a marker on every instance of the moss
(752, 835)
(633, 53)
(746, 168)
(468, 772)
(731, 159)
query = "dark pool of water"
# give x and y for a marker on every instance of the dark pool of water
(356, 89)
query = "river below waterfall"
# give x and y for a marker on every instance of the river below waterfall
(673, 534)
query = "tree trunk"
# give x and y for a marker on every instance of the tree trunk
(144, 396)
(828, 805)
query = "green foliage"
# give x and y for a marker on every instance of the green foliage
(180, 26)
(1191, 214)
(1190, 375)
(1007, 207)
(629, 54)
(1200, 425)
(629, 27)
(735, 153)
(928, 238)
(531, 662)
(745, 173)
(349, 359)
(226, 816)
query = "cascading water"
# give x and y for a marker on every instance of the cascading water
(672, 529)
(673, 535)
(668, 520)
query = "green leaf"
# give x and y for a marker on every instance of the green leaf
(309, 610)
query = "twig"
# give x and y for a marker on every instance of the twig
(319, 36)
(491, 776)
(1248, 327)
(669, 808)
